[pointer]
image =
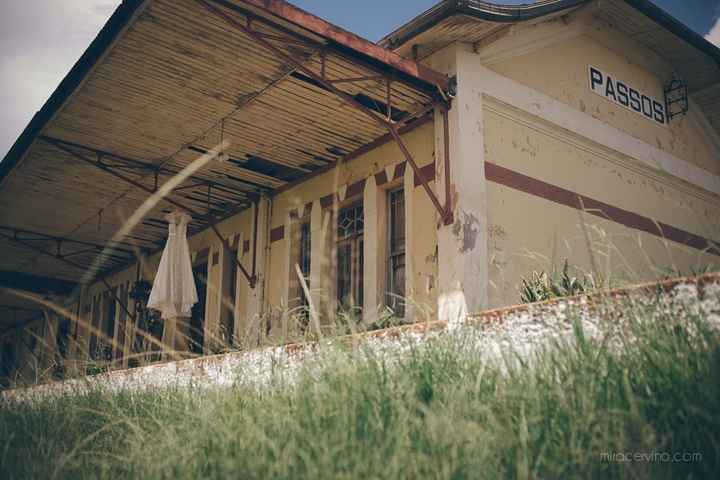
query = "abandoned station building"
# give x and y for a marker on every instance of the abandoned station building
(424, 175)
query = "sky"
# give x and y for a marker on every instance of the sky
(40, 40)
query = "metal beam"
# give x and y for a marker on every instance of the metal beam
(413, 73)
(71, 264)
(18, 233)
(202, 150)
(250, 278)
(149, 168)
(35, 283)
(344, 96)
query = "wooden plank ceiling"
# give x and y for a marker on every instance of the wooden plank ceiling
(177, 79)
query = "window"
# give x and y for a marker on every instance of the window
(95, 324)
(122, 324)
(109, 324)
(197, 319)
(396, 252)
(304, 252)
(63, 336)
(229, 294)
(350, 228)
(300, 256)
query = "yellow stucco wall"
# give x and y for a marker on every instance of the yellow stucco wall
(420, 142)
(204, 240)
(529, 233)
(561, 71)
(425, 258)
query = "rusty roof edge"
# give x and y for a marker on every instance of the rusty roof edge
(349, 40)
(419, 24)
(491, 12)
(69, 84)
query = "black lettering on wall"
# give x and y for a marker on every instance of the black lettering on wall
(646, 102)
(635, 100)
(659, 111)
(609, 89)
(596, 78)
(622, 94)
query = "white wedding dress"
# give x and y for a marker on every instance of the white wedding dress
(173, 292)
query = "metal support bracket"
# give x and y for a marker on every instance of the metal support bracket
(149, 190)
(71, 264)
(344, 96)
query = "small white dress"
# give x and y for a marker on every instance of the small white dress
(173, 292)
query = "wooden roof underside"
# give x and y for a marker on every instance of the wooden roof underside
(172, 80)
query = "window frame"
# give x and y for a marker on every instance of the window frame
(394, 297)
(356, 242)
(300, 254)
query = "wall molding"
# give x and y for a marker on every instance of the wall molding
(544, 127)
(533, 186)
(508, 91)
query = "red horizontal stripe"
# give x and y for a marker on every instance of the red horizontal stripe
(509, 178)
(277, 233)
(356, 188)
(327, 201)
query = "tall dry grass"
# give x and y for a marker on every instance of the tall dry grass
(441, 410)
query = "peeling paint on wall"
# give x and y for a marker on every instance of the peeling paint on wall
(466, 229)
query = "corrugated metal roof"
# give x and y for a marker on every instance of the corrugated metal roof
(155, 90)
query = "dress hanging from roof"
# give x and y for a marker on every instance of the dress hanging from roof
(173, 292)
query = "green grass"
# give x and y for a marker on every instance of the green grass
(440, 411)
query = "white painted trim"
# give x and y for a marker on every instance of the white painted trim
(286, 269)
(580, 143)
(410, 214)
(517, 95)
(374, 249)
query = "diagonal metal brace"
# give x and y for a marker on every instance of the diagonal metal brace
(70, 263)
(344, 96)
(252, 280)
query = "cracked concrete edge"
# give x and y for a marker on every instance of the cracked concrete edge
(523, 325)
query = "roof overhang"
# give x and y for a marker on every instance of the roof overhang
(436, 18)
(162, 83)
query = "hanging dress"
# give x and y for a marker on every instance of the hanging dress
(173, 292)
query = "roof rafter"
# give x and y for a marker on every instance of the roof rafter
(212, 222)
(71, 263)
(383, 121)
(149, 167)
(28, 235)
